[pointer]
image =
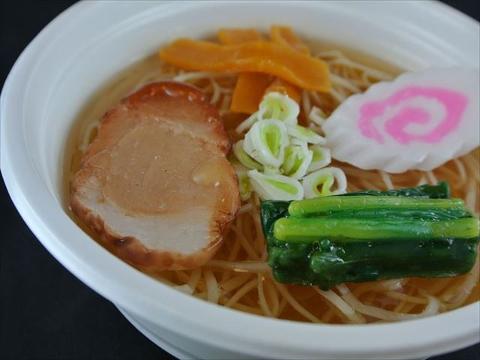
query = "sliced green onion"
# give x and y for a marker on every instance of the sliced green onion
(321, 182)
(276, 151)
(297, 160)
(266, 142)
(244, 186)
(321, 157)
(275, 187)
(270, 170)
(247, 123)
(278, 107)
(244, 158)
(305, 134)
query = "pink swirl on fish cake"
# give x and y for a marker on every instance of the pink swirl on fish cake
(454, 104)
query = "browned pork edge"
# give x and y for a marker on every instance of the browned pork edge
(128, 248)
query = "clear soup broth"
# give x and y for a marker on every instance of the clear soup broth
(251, 288)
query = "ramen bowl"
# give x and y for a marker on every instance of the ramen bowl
(91, 42)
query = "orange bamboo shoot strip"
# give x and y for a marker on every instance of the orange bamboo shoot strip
(299, 69)
(283, 87)
(233, 36)
(249, 91)
(284, 35)
(250, 87)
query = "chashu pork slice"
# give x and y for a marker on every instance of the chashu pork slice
(155, 183)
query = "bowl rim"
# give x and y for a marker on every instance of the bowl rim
(137, 293)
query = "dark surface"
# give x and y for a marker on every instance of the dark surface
(45, 312)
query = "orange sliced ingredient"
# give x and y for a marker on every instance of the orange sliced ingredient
(283, 87)
(250, 87)
(249, 91)
(237, 36)
(299, 69)
(284, 35)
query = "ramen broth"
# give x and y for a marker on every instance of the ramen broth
(405, 295)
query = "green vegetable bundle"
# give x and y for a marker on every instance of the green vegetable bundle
(369, 236)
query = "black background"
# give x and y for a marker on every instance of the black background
(45, 312)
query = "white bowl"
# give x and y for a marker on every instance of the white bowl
(89, 43)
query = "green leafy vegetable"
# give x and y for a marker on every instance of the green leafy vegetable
(358, 237)
(439, 191)
(379, 206)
